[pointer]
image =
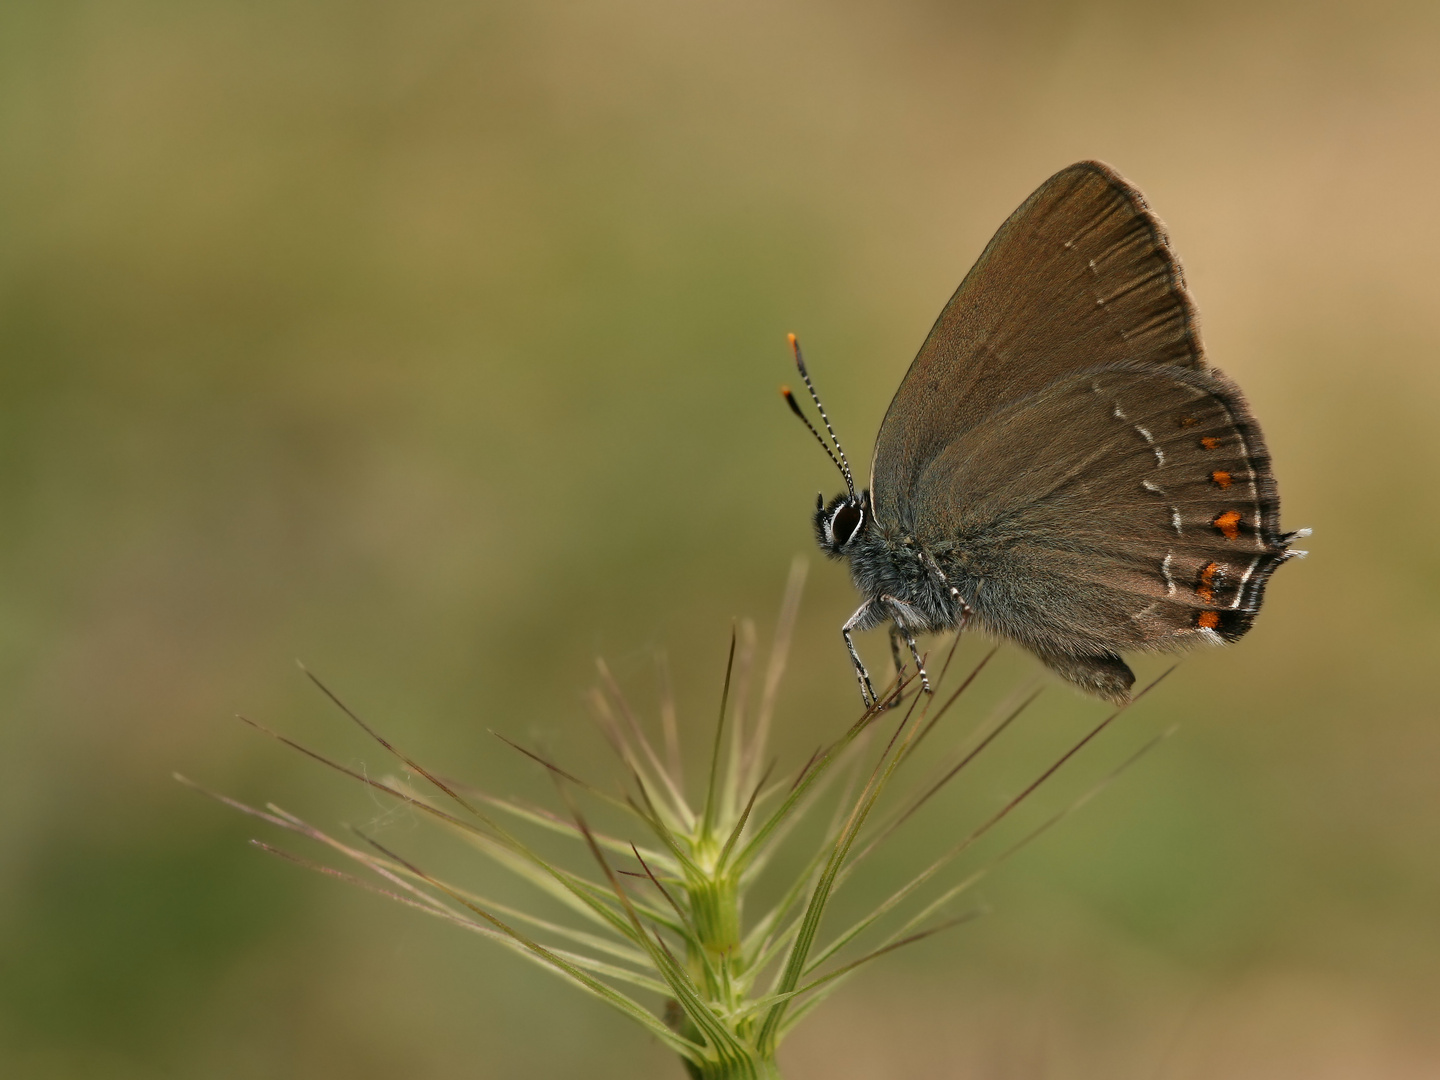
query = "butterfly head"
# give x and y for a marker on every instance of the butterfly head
(841, 522)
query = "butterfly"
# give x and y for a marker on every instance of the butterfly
(1060, 465)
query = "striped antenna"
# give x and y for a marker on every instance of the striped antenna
(843, 463)
(795, 408)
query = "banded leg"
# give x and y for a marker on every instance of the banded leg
(900, 609)
(919, 664)
(965, 609)
(867, 691)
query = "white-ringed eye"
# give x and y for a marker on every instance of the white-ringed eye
(845, 522)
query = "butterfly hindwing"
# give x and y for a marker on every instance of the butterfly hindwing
(1127, 507)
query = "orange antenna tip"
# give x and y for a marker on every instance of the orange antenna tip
(791, 339)
(795, 408)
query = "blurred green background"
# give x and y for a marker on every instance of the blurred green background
(437, 344)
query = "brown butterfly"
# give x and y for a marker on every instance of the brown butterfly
(1060, 464)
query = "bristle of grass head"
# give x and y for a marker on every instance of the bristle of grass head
(656, 908)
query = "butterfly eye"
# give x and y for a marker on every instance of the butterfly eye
(844, 524)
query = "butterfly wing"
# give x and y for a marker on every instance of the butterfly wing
(1080, 276)
(1131, 506)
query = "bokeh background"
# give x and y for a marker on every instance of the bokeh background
(437, 343)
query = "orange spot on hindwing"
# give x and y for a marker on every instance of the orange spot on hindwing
(1209, 442)
(1220, 478)
(1205, 587)
(1187, 421)
(1229, 524)
(1208, 620)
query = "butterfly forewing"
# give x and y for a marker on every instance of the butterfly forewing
(1080, 276)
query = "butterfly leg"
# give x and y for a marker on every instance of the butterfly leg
(919, 665)
(964, 611)
(860, 620)
(900, 609)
